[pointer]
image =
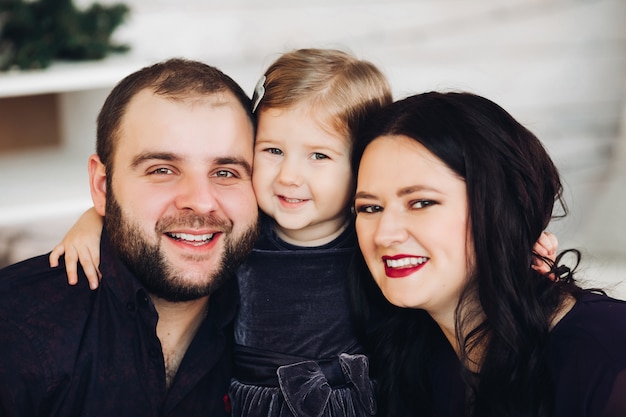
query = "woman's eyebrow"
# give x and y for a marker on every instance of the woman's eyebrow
(401, 192)
(415, 188)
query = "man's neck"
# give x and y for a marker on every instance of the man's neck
(176, 328)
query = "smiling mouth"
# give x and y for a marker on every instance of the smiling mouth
(195, 240)
(408, 262)
(404, 266)
(291, 200)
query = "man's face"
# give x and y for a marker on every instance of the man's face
(180, 207)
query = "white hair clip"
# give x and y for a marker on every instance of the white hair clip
(259, 92)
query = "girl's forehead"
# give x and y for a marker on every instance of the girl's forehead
(302, 121)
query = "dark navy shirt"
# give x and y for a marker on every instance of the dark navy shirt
(586, 357)
(69, 351)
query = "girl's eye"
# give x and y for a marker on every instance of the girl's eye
(422, 204)
(274, 151)
(317, 155)
(368, 208)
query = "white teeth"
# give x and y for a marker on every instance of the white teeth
(405, 262)
(293, 200)
(192, 238)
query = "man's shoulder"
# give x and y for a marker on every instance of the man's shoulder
(29, 267)
(33, 287)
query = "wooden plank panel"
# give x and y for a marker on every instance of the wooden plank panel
(28, 122)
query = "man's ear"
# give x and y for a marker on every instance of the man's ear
(97, 183)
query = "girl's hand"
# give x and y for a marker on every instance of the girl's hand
(81, 243)
(546, 246)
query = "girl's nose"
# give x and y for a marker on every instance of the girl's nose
(290, 173)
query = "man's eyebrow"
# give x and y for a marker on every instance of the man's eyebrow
(234, 161)
(148, 156)
(171, 157)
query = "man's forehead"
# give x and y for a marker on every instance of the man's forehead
(147, 121)
(216, 98)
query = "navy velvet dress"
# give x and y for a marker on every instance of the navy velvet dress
(296, 352)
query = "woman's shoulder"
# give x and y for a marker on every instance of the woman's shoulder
(587, 357)
(596, 325)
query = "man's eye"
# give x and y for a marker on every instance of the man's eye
(317, 155)
(224, 174)
(162, 171)
(368, 208)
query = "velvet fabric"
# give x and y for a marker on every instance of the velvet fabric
(294, 321)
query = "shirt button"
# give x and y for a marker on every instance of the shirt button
(142, 299)
(130, 306)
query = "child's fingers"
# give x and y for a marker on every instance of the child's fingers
(553, 242)
(546, 245)
(71, 265)
(91, 270)
(89, 262)
(540, 265)
(56, 253)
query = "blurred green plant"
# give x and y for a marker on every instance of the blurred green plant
(33, 33)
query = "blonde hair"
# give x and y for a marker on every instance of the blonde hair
(341, 90)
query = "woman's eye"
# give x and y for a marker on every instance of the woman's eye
(421, 204)
(368, 208)
(317, 155)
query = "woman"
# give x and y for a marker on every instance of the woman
(451, 195)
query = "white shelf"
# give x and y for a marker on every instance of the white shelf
(63, 77)
(51, 182)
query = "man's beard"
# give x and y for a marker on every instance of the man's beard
(150, 265)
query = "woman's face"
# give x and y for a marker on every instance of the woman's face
(412, 225)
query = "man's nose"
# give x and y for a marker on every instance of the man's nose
(198, 194)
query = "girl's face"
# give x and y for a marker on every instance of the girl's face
(301, 175)
(412, 225)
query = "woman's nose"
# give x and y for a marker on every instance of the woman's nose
(390, 229)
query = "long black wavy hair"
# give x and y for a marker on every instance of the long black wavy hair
(505, 312)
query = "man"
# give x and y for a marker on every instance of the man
(172, 178)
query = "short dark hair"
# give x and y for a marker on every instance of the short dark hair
(174, 78)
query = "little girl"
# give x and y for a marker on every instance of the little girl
(296, 351)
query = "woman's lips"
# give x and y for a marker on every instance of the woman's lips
(400, 266)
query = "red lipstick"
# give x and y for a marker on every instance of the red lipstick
(400, 266)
